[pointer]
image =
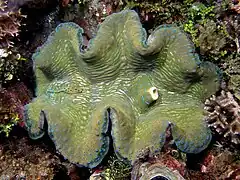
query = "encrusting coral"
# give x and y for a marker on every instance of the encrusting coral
(224, 115)
(124, 86)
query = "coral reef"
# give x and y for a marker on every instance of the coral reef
(115, 169)
(22, 159)
(207, 23)
(211, 40)
(232, 69)
(223, 165)
(41, 4)
(235, 6)
(224, 115)
(101, 9)
(10, 22)
(10, 64)
(213, 26)
(232, 25)
(12, 101)
(89, 14)
(10, 58)
(153, 13)
(143, 86)
(207, 33)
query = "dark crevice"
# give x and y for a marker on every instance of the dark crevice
(108, 133)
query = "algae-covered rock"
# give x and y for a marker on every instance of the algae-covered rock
(233, 71)
(125, 86)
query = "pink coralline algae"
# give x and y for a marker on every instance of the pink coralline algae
(223, 165)
(12, 101)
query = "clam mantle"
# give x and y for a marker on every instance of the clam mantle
(125, 89)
